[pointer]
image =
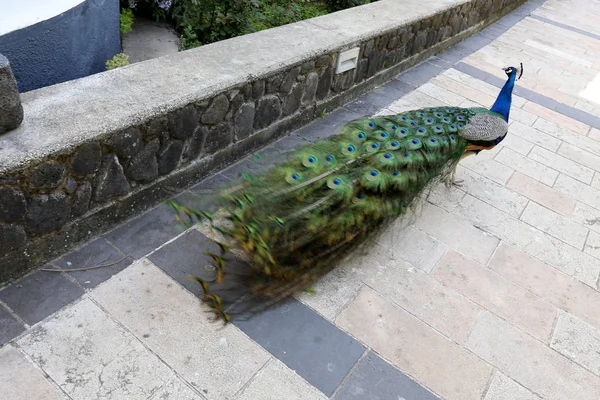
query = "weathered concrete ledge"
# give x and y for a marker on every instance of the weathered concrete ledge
(95, 151)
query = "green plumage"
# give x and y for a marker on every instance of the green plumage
(292, 222)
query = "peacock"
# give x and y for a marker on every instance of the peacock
(278, 231)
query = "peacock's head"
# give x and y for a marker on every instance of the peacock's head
(517, 71)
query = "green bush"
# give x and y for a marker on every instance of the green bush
(126, 20)
(119, 60)
(337, 5)
(272, 13)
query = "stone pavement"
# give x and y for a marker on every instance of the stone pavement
(491, 293)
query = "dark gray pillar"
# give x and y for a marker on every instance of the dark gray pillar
(11, 110)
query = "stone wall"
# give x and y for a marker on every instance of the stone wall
(55, 197)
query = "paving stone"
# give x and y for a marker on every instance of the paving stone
(96, 253)
(39, 294)
(22, 380)
(414, 246)
(587, 216)
(276, 382)
(592, 245)
(492, 193)
(504, 388)
(89, 355)
(484, 164)
(439, 93)
(542, 194)
(210, 185)
(332, 292)
(578, 341)
(538, 137)
(217, 361)
(419, 351)
(327, 126)
(420, 74)
(579, 190)
(555, 225)
(556, 118)
(573, 138)
(517, 144)
(562, 164)
(497, 294)
(176, 389)
(380, 97)
(530, 362)
(314, 348)
(419, 293)
(526, 166)
(595, 134)
(186, 256)
(580, 156)
(375, 379)
(9, 326)
(533, 241)
(456, 233)
(145, 233)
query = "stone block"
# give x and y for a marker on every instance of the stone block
(530, 362)
(46, 213)
(127, 143)
(291, 103)
(86, 159)
(324, 85)
(580, 156)
(310, 88)
(169, 155)
(146, 301)
(267, 111)
(592, 245)
(579, 190)
(244, 121)
(578, 341)
(288, 80)
(110, 181)
(184, 121)
(143, 167)
(535, 136)
(176, 389)
(497, 294)
(11, 109)
(216, 111)
(414, 347)
(218, 137)
(258, 89)
(195, 145)
(81, 199)
(13, 205)
(47, 176)
(12, 237)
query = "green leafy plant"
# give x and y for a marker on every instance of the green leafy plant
(126, 20)
(272, 13)
(337, 5)
(119, 60)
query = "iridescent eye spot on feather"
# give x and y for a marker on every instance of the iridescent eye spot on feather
(350, 149)
(312, 160)
(372, 124)
(329, 158)
(360, 196)
(361, 135)
(452, 138)
(429, 120)
(404, 118)
(404, 205)
(336, 181)
(452, 126)
(460, 118)
(395, 173)
(394, 127)
(387, 155)
(295, 177)
(403, 131)
(384, 134)
(413, 123)
(446, 119)
(461, 125)
(421, 130)
(374, 145)
(432, 140)
(438, 115)
(415, 141)
(407, 155)
(374, 172)
(421, 114)
(438, 129)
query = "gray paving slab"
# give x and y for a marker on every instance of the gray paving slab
(316, 349)
(39, 295)
(376, 379)
(10, 327)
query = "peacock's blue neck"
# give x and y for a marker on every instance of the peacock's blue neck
(504, 100)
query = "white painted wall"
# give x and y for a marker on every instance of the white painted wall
(18, 14)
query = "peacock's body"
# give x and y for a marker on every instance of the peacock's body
(292, 222)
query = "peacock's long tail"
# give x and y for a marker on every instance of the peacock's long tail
(290, 224)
